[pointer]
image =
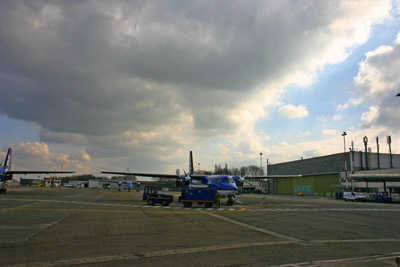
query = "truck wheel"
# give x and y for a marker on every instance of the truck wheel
(164, 203)
(187, 204)
(150, 202)
(208, 205)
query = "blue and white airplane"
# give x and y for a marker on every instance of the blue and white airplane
(7, 174)
(226, 185)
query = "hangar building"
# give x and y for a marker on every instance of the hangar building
(324, 176)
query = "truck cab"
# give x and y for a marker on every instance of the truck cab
(383, 197)
(151, 196)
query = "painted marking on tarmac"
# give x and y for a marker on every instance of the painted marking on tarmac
(172, 252)
(215, 208)
(94, 198)
(337, 262)
(264, 231)
(323, 209)
(166, 208)
(185, 211)
(77, 195)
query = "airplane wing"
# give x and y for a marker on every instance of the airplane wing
(36, 172)
(157, 175)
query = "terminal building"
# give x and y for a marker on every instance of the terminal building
(326, 175)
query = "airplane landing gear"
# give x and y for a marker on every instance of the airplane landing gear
(3, 190)
(230, 201)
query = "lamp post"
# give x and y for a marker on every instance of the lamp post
(389, 142)
(365, 139)
(345, 159)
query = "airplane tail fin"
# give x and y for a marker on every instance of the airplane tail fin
(191, 169)
(7, 161)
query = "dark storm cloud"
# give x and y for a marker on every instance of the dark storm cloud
(87, 64)
(112, 75)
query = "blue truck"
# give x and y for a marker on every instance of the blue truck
(208, 197)
(383, 197)
(151, 196)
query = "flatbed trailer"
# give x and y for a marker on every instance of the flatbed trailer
(207, 197)
(151, 196)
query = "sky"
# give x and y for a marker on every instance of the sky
(118, 85)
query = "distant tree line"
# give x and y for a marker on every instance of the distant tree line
(251, 170)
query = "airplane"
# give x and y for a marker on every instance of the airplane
(7, 174)
(226, 185)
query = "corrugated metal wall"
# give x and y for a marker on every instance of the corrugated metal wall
(315, 185)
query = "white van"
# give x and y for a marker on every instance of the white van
(355, 196)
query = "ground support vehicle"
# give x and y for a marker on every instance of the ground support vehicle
(355, 196)
(151, 196)
(339, 195)
(207, 197)
(383, 197)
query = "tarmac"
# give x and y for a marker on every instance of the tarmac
(99, 227)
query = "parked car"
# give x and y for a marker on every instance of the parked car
(355, 196)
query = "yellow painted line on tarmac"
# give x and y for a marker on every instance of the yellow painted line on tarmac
(126, 211)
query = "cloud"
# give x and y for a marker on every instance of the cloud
(371, 115)
(378, 82)
(290, 111)
(37, 156)
(342, 107)
(337, 117)
(146, 82)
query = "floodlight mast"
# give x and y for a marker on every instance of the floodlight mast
(345, 159)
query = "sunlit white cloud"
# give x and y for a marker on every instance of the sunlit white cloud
(291, 111)
(371, 115)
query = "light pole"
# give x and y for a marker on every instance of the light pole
(365, 139)
(345, 159)
(389, 142)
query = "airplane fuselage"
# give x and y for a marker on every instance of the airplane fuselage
(224, 184)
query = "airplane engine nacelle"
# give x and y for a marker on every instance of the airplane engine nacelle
(183, 182)
(187, 180)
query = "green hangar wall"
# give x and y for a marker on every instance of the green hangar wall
(311, 185)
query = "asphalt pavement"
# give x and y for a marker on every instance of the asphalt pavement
(98, 227)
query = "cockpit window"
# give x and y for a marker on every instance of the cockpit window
(225, 180)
